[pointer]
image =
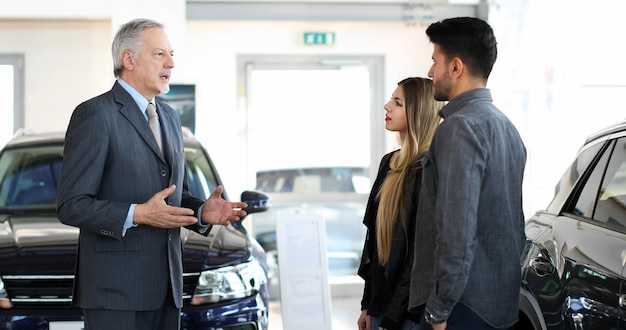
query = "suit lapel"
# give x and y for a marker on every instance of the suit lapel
(166, 132)
(168, 125)
(134, 115)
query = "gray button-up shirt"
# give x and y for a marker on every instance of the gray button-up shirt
(470, 223)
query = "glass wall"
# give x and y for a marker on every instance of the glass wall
(555, 79)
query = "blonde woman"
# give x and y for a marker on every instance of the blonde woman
(390, 215)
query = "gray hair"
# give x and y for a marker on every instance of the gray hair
(128, 38)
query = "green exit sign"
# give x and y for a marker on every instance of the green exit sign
(319, 38)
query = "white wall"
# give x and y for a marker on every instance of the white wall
(65, 63)
(67, 46)
(170, 12)
(557, 78)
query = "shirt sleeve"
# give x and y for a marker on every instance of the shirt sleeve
(461, 162)
(202, 228)
(128, 223)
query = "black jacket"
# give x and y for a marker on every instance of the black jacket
(386, 290)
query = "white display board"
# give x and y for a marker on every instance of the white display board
(303, 272)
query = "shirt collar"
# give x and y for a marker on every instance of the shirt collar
(141, 101)
(458, 102)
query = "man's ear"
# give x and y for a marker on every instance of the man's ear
(128, 61)
(456, 67)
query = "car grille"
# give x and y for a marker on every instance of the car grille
(247, 326)
(38, 290)
(190, 281)
(56, 290)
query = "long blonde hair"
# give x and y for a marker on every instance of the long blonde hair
(422, 120)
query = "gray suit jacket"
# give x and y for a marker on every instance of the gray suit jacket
(111, 160)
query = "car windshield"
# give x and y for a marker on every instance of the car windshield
(200, 177)
(30, 176)
(314, 180)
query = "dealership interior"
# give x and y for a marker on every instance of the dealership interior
(283, 84)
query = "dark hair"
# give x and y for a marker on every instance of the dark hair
(468, 38)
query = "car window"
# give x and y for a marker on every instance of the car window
(200, 176)
(30, 176)
(586, 202)
(603, 198)
(611, 206)
(571, 176)
(314, 180)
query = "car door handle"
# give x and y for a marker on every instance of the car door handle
(542, 266)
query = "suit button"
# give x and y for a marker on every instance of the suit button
(163, 173)
(169, 238)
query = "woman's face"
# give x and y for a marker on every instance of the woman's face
(395, 113)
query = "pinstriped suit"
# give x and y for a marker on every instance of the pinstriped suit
(112, 160)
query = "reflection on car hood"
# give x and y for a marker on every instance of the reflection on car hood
(34, 243)
(225, 245)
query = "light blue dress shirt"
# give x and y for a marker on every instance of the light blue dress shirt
(142, 103)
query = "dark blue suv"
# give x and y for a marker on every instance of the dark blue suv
(225, 274)
(574, 265)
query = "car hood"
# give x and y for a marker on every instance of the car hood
(35, 243)
(31, 241)
(225, 245)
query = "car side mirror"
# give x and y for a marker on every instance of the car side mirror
(256, 200)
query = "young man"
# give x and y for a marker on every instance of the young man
(469, 231)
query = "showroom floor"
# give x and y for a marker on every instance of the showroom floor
(345, 313)
(346, 305)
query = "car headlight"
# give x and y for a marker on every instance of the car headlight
(227, 283)
(5, 302)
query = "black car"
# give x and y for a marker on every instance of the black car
(573, 267)
(225, 274)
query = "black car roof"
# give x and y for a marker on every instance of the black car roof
(39, 139)
(619, 127)
(36, 139)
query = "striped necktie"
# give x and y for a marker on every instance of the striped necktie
(153, 120)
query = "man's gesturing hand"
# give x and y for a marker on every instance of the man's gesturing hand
(218, 211)
(155, 212)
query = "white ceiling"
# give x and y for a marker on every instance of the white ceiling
(409, 11)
